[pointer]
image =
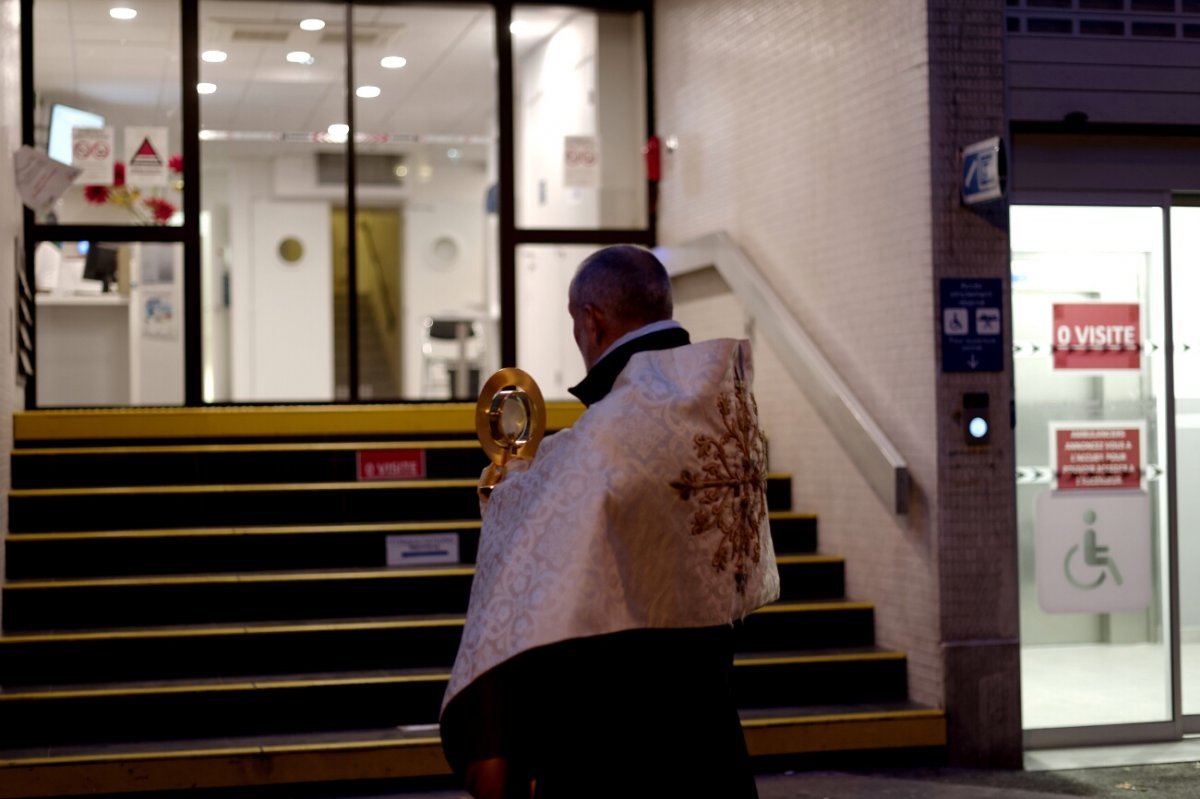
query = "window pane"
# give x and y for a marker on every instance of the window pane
(273, 173)
(1091, 464)
(426, 239)
(119, 79)
(580, 118)
(109, 324)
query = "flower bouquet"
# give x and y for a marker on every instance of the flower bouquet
(146, 208)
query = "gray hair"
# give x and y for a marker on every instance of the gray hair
(627, 282)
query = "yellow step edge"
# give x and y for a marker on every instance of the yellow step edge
(315, 446)
(209, 688)
(791, 514)
(266, 577)
(349, 626)
(262, 421)
(832, 657)
(232, 751)
(245, 488)
(809, 607)
(204, 632)
(787, 560)
(208, 532)
(934, 716)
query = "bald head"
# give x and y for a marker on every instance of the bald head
(615, 291)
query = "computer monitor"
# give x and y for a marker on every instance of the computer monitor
(64, 119)
(100, 263)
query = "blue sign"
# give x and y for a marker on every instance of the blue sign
(972, 325)
(983, 171)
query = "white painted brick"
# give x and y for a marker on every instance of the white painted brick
(804, 133)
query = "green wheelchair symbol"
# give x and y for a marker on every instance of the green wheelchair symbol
(1093, 555)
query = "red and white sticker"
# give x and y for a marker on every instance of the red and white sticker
(1097, 335)
(1098, 457)
(391, 464)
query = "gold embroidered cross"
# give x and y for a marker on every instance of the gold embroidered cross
(731, 486)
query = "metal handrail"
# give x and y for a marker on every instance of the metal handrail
(868, 447)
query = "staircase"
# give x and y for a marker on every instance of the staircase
(201, 598)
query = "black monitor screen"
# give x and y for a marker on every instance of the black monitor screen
(101, 264)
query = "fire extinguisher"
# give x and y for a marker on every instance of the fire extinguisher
(653, 153)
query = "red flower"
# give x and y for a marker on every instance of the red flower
(118, 174)
(161, 209)
(97, 195)
(175, 164)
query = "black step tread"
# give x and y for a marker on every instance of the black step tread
(767, 716)
(222, 684)
(266, 446)
(245, 488)
(384, 573)
(286, 529)
(410, 735)
(379, 676)
(362, 623)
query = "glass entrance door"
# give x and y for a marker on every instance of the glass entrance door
(1090, 371)
(1185, 288)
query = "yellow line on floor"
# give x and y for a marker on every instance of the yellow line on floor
(833, 718)
(807, 607)
(795, 559)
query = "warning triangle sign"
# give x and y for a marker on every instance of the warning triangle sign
(145, 155)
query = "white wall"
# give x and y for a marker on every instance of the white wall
(11, 395)
(804, 133)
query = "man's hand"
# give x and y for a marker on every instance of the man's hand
(493, 475)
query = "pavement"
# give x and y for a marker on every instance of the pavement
(1173, 781)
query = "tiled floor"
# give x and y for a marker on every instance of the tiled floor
(1091, 684)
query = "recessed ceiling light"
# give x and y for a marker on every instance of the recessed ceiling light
(122, 12)
(312, 24)
(300, 57)
(338, 132)
(453, 153)
(367, 92)
(214, 56)
(392, 61)
(525, 28)
(401, 170)
(205, 88)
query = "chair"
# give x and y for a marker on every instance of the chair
(451, 357)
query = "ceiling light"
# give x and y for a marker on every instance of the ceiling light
(312, 24)
(338, 132)
(524, 28)
(205, 88)
(122, 12)
(214, 56)
(401, 171)
(453, 153)
(392, 61)
(300, 57)
(367, 92)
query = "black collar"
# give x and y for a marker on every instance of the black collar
(603, 374)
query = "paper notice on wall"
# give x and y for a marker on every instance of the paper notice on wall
(581, 161)
(159, 314)
(40, 179)
(1097, 456)
(146, 156)
(92, 154)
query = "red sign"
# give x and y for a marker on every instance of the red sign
(1098, 457)
(391, 464)
(1097, 335)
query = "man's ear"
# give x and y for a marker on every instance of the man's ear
(597, 323)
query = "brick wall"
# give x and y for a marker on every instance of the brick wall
(803, 131)
(976, 499)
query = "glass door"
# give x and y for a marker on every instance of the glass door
(1090, 371)
(1185, 288)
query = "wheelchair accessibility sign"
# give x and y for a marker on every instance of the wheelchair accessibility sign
(1092, 551)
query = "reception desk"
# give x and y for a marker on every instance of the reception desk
(82, 350)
